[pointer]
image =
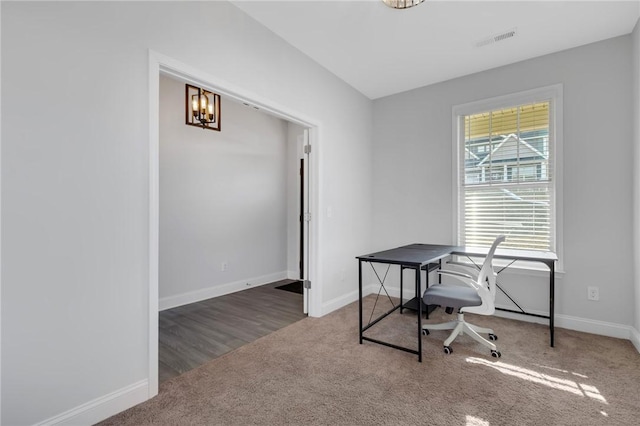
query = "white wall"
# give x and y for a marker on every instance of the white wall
(223, 198)
(635, 55)
(413, 178)
(75, 184)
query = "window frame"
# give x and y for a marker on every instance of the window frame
(553, 94)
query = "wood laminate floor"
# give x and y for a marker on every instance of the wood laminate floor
(191, 335)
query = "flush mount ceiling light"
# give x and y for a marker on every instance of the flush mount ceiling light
(202, 108)
(402, 4)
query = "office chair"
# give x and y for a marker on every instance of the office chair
(477, 297)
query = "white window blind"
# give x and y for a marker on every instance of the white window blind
(506, 182)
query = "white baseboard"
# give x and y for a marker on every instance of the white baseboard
(293, 275)
(585, 325)
(218, 290)
(520, 317)
(338, 302)
(407, 293)
(635, 338)
(351, 297)
(594, 326)
(103, 407)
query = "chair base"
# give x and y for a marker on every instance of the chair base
(460, 326)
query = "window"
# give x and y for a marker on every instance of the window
(507, 150)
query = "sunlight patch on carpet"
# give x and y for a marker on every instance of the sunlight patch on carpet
(543, 379)
(562, 371)
(475, 421)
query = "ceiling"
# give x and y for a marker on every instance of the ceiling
(382, 51)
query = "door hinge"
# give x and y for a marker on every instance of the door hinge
(306, 284)
(307, 217)
(307, 149)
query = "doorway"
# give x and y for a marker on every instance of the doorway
(194, 334)
(160, 64)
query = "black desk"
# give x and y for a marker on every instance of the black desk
(407, 257)
(420, 256)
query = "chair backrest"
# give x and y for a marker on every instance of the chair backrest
(487, 282)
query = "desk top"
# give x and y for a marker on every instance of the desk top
(410, 255)
(422, 254)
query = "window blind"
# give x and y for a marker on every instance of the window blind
(507, 177)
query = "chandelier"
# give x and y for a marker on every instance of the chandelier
(202, 108)
(402, 4)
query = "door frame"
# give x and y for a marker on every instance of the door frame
(301, 241)
(165, 65)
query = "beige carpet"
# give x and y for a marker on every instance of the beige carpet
(315, 372)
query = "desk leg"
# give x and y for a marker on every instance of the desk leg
(419, 314)
(360, 296)
(552, 291)
(401, 286)
(426, 286)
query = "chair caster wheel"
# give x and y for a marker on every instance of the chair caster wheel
(425, 332)
(496, 354)
(448, 350)
(493, 336)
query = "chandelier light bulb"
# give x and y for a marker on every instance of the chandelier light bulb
(402, 4)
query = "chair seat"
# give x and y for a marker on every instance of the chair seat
(451, 296)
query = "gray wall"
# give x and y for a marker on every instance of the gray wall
(223, 199)
(413, 179)
(75, 185)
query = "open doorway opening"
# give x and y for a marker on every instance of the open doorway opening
(246, 180)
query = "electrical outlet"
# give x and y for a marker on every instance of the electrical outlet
(224, 266)
(593, 293)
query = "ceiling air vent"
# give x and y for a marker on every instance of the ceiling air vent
(496, 38)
